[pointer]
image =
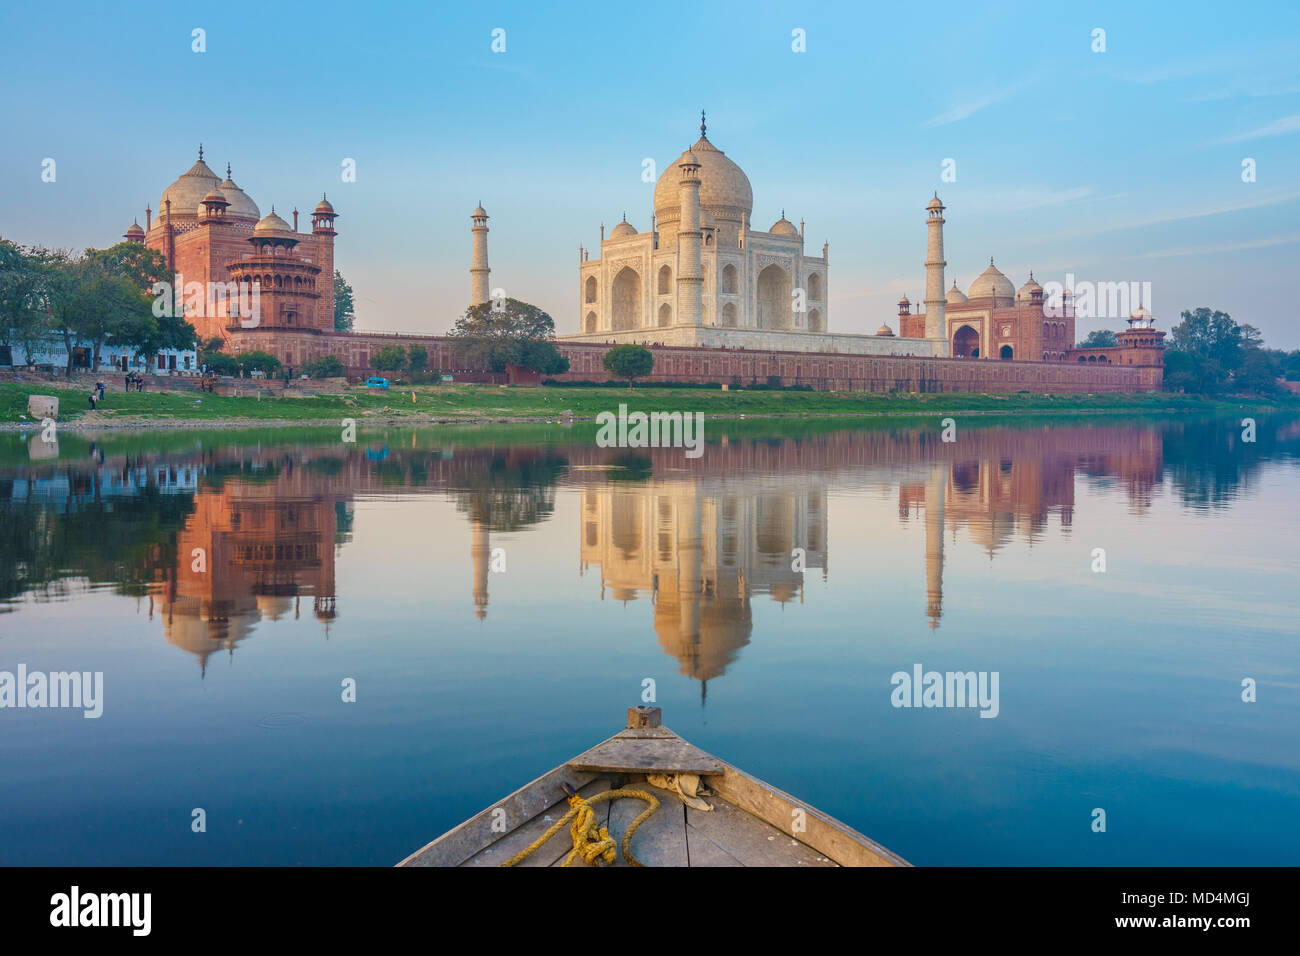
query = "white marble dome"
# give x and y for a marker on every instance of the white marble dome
(783, 227)
(241, 204)
(623, 230)
(1026, 293)
(992, 282)
(955, 296)
(188, 191)
(724, 187)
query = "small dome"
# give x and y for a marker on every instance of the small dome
(884, 330)
(216, 196)
(935, 203)
(271, 224)
(783, 227)
(623, 230)
(904, 301)
(955, 296)
(241, 204)
(478, 213)
(991, 283)
(1026, 293)
(323, 208)
(134, 231)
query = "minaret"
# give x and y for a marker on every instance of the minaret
(322, 230)
(935, 491)
(478, 270)
(935, 326)
(690, 281)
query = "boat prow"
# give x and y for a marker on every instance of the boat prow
(709, 814)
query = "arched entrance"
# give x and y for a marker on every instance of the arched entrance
(729, 315)
(626, 296)
(774, 306)
(1005, 352)
(665, 315)
(966, 343)
(591, 322)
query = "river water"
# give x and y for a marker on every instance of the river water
(494, 600)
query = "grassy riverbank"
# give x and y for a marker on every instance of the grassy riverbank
(474, 403)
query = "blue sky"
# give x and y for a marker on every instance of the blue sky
(1117, 166)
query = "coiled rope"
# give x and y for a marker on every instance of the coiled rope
(593, 843)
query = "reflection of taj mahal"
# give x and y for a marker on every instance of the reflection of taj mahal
(700, 549)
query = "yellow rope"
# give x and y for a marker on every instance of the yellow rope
(590, 841)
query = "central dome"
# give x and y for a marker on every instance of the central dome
(724, 187)
(991, 283)
(188, 191)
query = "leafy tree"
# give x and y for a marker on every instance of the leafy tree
(259, 361)
(629, 361)
(543, 358)
(220, 363)
(492, 338)
(1099, 339)
(1220, 354)
(390, 358)
(344, 315)
(418, 359)
(23, 301)
(327, 366)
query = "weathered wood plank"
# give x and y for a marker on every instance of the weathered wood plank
(745, 838)
(823, 833)
(456, 846)
(661, 840)
(646, 755)
(553, 850)
(637, 733)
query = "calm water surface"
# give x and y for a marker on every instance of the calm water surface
(499, 598)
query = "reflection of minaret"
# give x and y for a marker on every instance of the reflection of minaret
(690, 554)
(479, 550)
(935, 491)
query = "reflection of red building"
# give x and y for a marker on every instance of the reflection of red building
(998, 484)
(249, 551)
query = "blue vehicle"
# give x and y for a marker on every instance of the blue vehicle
(376, 381)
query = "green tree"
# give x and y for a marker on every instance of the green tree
(327, 366)
(259, 361)
(390, 358)
(23, 301)
(344, 314)
(417, 360)
(1217, 350)
(492, 338)
(629, 361)
(1099, 339)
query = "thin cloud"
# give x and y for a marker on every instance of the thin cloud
(1279, 127)
(1224, 247)
(973, 105)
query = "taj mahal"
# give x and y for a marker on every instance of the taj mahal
(701, 276)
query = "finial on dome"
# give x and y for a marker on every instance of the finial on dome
(703, 127)
(782, 212)
(200, 152)
(990, 260)
(625, 215)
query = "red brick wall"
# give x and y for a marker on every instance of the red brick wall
(868, 373)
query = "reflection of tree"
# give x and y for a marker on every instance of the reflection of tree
(1209, 462)
(508, 490)
(124, 540)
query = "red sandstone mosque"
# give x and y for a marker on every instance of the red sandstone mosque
(702, 289)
